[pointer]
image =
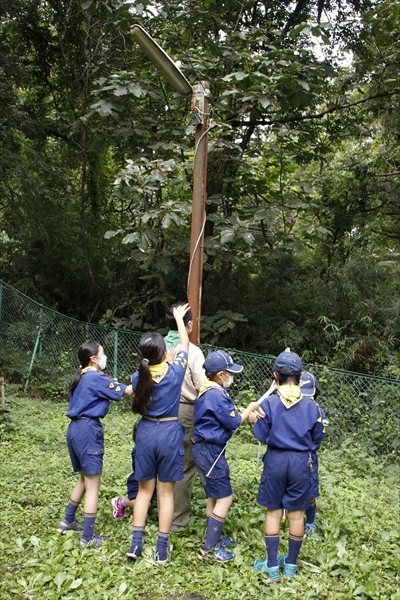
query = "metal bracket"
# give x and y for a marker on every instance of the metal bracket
(200, 93)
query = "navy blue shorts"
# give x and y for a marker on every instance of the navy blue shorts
(285, 481)
(132, 487)
(314, 476)
(85, 441)
(218, 484)
(159, 450)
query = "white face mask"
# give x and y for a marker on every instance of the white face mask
(226, 384)
(102, 362)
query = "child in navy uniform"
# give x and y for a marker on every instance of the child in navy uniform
(291, 425)
(91, 393)
(215, 420)
(309, 388)
(159, 448)
(120, 503)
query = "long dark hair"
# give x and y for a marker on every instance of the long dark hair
(85, 353)
(151, 351)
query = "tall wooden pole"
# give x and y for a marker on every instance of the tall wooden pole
(200, 107)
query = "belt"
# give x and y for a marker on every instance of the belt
(76, 418)
(162, 419)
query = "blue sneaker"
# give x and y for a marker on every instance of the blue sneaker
(221, 555)
(218, 553)
(310, 529)
(272, 572)
(134, 552)
(226, 542)
(288, 569)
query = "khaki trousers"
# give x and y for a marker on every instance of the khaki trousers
(183, 489)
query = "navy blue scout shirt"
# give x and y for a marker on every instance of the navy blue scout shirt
(166, 394)
(294, 428)
(91, 397)
(215, 417)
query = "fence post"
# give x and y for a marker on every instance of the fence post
(3, 403)
(116, 354)
(1, 297)
(35, 348)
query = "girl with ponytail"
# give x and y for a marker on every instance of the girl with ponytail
(159, 438)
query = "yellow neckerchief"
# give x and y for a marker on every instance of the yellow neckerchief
(289, 395)
(207, 385)
(86, 369)
(158, 372)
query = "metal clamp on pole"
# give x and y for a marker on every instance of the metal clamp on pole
(201, 93)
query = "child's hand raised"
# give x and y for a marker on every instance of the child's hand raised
(180, 311)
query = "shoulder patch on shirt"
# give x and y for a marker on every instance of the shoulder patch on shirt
(232, 413)
(118, 389)
(111, 385)
(180, 359)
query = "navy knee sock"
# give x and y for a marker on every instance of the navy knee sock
(214, 528)
(311, 511)
(272, 543)
(137, 536)
(88, 525)
(162, 541)
(71, 510)
(295, 542)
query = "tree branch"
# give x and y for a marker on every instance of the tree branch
(387, 174)
(331, 109)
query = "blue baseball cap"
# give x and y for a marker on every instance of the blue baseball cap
(221, 361)
(308, 384)
(288, 359)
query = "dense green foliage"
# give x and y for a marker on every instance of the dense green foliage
(354, 555)
(303, 214)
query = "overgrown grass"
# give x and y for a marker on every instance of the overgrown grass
(354, 555)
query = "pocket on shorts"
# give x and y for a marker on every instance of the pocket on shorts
(97, 451)
(272, 462)
(302, 467)
(201, 464)
(175, 435)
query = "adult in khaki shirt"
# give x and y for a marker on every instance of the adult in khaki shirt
(194, 378)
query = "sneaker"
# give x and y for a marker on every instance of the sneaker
(64, 526)
(218, 553)
(118, 508)
(95, 542)
(226, 542)
(310, 529)
(272, 572)
(134, 552)
(221, 555)
(162, 556)
(288, 569)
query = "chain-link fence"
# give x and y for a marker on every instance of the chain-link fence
(39, 348)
